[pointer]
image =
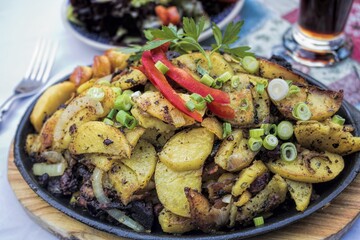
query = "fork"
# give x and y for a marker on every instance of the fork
(36, 75)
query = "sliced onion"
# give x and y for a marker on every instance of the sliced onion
(226, 198)
(52, 156)
(74, 107)
(53, 170)
(102, 198)
(278, 89)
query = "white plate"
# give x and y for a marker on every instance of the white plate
(225, 17)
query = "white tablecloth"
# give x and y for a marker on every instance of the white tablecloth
(22, 23)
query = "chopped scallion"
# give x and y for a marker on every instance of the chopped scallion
(285, 130)
(301, 111)
(190, 105)
(96, 93)
(226, 129)
(235, 81)
(116, 90)
(278, 89)
(111, 114)
(338, 120)
(250, 64)
(269, 128)
(255, 144)
(288, 151)
(258, 221)
(256, 133)
(161, 67)
(270, 142)
(126, 119)
(103, 82)
(244, 104)
(108, 121)
(123, 102)
(209, 98)
(293, 89)
(226, 76)
(197, 97)
(217, 84)
(207, 80)
(260, 88)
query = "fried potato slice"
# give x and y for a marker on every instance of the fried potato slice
(300, 192)
(49, 101)
(188, 149)
(172, 223)
(129, 79)
(170, 187)
(98, 137)
(326, 136)
(234, 154)
(266, 200)
(309, 167)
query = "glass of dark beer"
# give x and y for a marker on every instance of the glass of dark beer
(318, 38)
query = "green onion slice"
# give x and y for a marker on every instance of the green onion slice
(190, 105)
(338, 120)
(255, 144)
(108, 121)
(123, 102)
(96, 93)
(270, 142)
(103, 82)
(235, 81)
(209, 98)
(285, 130)
(244, 104)
(226, 76)
(207, 80)
(250, 64)
(201, 70)
(161, 67)
(269, 128)
(126, 119)
(258, 221)
(301, 111)
(288, 152)
(278, 89)
(226, 129)
(197, 97)
(260, 88)
(217, 84)
(111, 114)
(293, 89)
(256, 133)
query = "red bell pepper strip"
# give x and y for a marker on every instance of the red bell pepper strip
(160, 82)
(185, 80)
(223, 111)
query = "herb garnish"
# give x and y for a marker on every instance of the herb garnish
(185, 40)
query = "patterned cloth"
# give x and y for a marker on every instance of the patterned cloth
(267, 21)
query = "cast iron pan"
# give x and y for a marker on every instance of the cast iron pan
(328, 191)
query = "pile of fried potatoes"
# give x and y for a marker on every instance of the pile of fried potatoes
(201, 179)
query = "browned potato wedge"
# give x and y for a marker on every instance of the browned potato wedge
(326, 136)
(206, 217)
(135, 172)
(192, 60)
(118, 60)
(300, 192)
(101, 66)
(157, 138)
(80, 75)
(272, 70)
(103, 162)
(155, 104)
(129, 79)
(46, 134)
(269, 198)
(247, 176)
(309, 167)
(134, 135)
(33, 144)
(170, 187)
(172, 223)
(49, 101)
(238, 99)
(98, 137)
(187, 150)
(243, 199)
(322, 103)
(234, 154)
(213, 125)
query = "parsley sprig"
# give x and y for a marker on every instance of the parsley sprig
(185, 40)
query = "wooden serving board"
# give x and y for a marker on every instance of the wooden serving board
(329, 223)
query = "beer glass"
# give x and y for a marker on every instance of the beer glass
(318, 38)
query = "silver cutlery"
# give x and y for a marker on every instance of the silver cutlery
(36, 75)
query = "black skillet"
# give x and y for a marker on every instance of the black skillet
(328, 191)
